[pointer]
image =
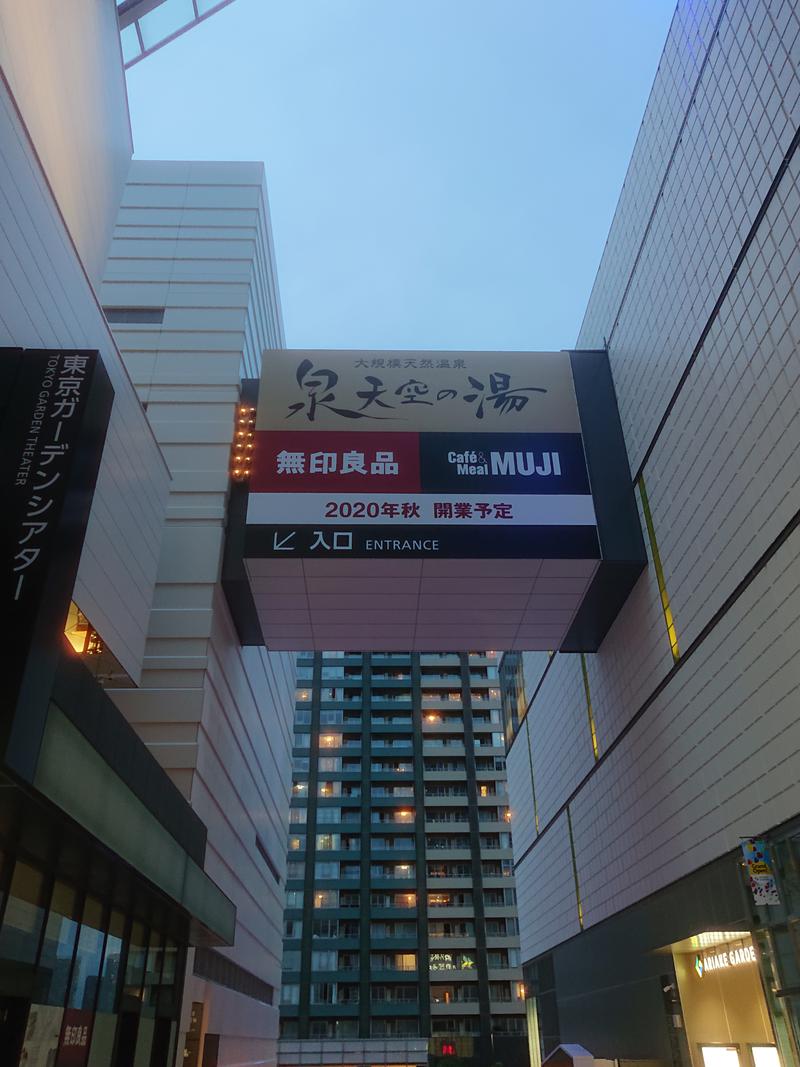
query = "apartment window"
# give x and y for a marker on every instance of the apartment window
(324, 961)
(326, 870)
(326, 898)
(291, 960)
(329, 763)
(292, 927)
(302, 717)
(300, 789)
(300, 764)
(295, 870)
(332, 717)
(328, 842)
(329, 789)
(329, 815)
(297, 844)
(323, 992)
(349, 898)
(325, 928)
(297, 815)
(294, 898)
(302, 696)
(301, 741)
(305, 673)
(330, 740)
(290, 994)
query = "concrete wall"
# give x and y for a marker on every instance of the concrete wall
(193, 239)
(63, 63)
(46, 296)
(698, 296)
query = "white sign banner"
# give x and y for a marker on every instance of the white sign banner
(418, 508)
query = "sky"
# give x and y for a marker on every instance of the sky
(442, 174)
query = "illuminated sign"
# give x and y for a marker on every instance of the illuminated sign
(400, 499)
(720, 961)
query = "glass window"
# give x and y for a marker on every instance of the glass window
(59, 941)
(134, 968)
(301, 741)
(323, 992)
(291, 960)
(295, 870)
(305, 673)
(300, 763)
(329, 789)
(297, 843)
(302, 696)
(330, 740)
(290, 993)
(297, 815)
(302, 717)
(326, 898)
(300, 789)
(22, 923)
(329, 815)
(326, 870)
(324, 961)
(292, 927)
(331, 717)
(327, 842)
(294, 898)
(88, 956)
(330, 763)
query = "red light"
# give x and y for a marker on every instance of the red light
(448, 1050)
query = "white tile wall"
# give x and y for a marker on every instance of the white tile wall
(194, 239)
(520, 793)
(713, 760)
(560, 739)
(46, 301)
(714, 756)
(745, 112)
(545, 881)
(82, 133)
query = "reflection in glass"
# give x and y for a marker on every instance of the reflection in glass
(59, 941)
(22, 922)
(88, 957)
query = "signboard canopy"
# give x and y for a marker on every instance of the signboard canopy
(429, 500)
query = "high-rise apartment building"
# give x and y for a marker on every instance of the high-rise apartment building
(400, 929)
(655, 784)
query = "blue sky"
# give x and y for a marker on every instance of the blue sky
(442, 173)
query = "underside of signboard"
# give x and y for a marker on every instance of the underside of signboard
(509, 525)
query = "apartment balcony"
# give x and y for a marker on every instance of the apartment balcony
(439, 659)
(455, 1007)
(393, 1007)
(445, 944)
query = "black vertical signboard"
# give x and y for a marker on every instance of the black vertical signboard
(54, 411)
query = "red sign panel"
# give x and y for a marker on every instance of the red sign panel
(76, 1033)
(327, 461)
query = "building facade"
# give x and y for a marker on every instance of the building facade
(637, 774)
(145, 755)
(401, 921)
(190, 292)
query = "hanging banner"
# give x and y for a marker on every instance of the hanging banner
(386, 488)
(759, 872)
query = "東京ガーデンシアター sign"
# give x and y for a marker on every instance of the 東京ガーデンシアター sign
(462, 481)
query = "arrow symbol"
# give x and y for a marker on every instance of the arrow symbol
(283, 545)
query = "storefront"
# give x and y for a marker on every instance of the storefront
(704, 973)
(724, 1007)
(91, 958)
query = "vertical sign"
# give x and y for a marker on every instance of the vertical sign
(56, 407)
(759, 872)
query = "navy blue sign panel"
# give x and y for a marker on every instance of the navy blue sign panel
(518, 463)
(421, 542)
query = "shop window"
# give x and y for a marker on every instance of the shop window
(22, 922)
(88, 956)
(57, 947)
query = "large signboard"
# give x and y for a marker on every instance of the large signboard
(54, 412)
(441, 456)
(469, 466)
